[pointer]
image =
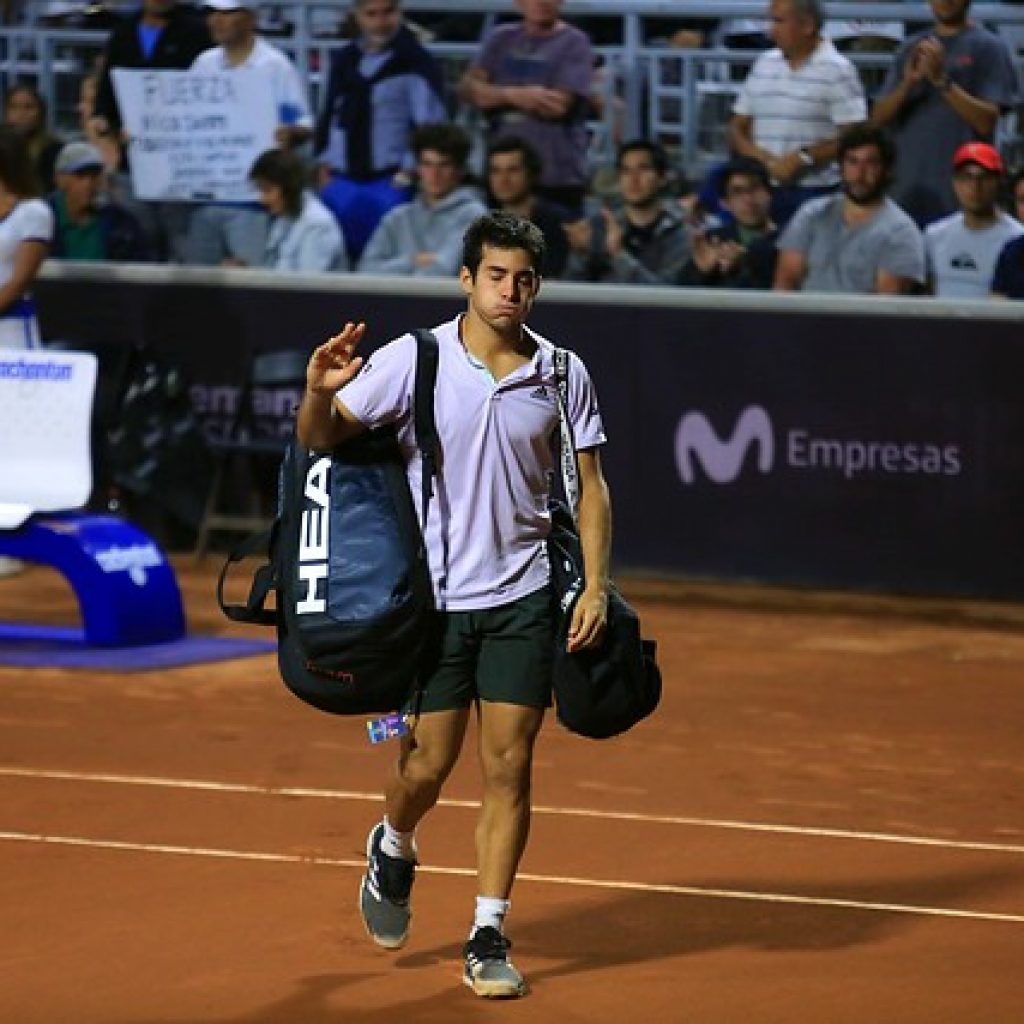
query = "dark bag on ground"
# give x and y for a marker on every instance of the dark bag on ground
(606, 690)
(347, 565)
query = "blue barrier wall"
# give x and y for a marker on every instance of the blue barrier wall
(835, 443)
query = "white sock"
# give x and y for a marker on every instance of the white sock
(490, 912)
(398, 844)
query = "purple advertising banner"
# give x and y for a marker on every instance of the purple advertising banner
(841, 449)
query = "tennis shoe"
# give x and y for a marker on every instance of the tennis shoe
(384, 894)
(488, 970)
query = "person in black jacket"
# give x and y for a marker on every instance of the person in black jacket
(381, 87)
(87, 225)
(166, 35)
(741, 253)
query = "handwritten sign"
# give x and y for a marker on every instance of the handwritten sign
(194, 135)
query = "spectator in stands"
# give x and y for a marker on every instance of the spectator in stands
(1015, 194)
(107, 145)
(1008, 278)
(235, 234)
(381, 87)
(858, 241)
(26, 230)
(25, 112)
(88, 224)
(962, 249)
(647, 241)
(424, 238)
(162, 34)
(304, 234)
(947, 85)
(533, 78)
(513, 171)
(741, 253)
(794, 104)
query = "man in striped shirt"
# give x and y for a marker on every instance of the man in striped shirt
(797, 99)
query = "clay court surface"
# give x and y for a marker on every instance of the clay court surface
(824, 822)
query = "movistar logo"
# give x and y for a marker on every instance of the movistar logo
(722, 458)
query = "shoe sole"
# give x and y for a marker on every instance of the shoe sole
(381, 940)
(495, 989)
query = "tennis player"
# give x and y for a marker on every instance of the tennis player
(497, 414)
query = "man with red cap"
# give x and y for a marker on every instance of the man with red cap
(963, 248)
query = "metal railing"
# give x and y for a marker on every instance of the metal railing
(681, 97)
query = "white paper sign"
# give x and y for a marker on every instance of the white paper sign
(194, 135)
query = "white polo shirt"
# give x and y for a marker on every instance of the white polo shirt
(488, 519)
(795, 108)
(286, 88)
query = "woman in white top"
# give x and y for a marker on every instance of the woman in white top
(304, 235)
(26, 228)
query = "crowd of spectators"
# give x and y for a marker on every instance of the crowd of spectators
(826, 188)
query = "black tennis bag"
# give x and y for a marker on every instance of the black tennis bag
(605, 690)
(602, 691)
(348, 566)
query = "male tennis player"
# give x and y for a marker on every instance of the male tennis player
(497, 414)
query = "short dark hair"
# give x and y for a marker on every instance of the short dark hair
(657, 153)
(447, 139)
(286, 170)
(514, 144)
(868, 135)
(742, 166)
(16, 171)
(502, 230)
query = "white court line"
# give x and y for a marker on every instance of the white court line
(583, 883)
(573, 812)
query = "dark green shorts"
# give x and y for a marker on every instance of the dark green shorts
(498, 654)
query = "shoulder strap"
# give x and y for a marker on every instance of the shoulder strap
(423, 412)
(567, 441)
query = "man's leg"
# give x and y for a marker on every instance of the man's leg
(426, 759)
(507, 736)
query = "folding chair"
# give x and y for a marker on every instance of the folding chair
(246, 446)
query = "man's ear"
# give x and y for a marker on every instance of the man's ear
(466, 280)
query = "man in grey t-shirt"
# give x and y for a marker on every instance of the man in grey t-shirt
(946, 86)
(859, 241)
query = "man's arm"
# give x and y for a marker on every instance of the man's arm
(323, 421)
(741, 139)
(590, 614)
(790, 271)
(477, 90)
(887, 283)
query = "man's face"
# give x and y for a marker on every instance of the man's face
(508, 178)
(640, 182)
(950, 12)
(378, 21)
(230, 28)
(505, 286)
(791, 32)
(747, 199)
(976, 188)
(863, 174)
(540, 14)
(80, 188)
(439, 174)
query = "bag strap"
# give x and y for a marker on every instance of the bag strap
(567, 441)
(423, 414)
(427, 356)
(264, 581)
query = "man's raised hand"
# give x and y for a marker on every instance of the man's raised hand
(334, 363)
